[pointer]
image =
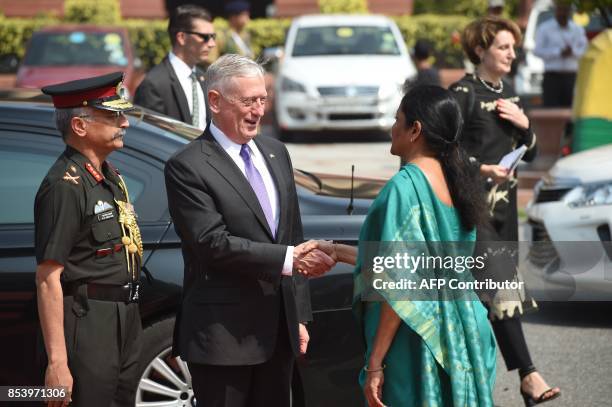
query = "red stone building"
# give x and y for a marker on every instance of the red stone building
(157, 8)
(283, 8)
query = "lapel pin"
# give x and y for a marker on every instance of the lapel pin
(272, 156)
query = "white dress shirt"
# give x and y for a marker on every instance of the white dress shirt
(233, 150)
(183, 73)
(550, 41)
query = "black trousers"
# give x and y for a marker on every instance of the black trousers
(558, 89)
(103, 344)
(263, 385)
(512, 344)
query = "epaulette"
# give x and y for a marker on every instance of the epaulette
(71, 176)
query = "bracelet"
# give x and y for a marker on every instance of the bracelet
(368, 370)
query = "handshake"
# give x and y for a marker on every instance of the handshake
(314, 258)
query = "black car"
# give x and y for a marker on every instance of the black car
(29, 144)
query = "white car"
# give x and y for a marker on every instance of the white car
(530, 72)
(568, 230)
(341, 72)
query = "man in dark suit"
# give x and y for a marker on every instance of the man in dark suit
(176, 86)
(234, 204)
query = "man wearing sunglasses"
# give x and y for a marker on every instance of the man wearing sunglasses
(176, 87)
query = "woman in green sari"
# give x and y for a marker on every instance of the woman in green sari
(428, 348)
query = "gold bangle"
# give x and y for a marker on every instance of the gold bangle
(368, 370)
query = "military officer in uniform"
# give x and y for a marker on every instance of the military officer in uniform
(89, 251)
(236, 39)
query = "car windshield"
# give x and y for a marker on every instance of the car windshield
(345, 40)
(76, 48)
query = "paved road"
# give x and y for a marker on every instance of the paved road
(571, 344)
(334, 153)
(370, 159)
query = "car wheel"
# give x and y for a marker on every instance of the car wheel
(165, 380)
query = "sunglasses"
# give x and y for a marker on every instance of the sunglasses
(111, 116)
(203, 36)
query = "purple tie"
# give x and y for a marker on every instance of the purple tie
(258, 186)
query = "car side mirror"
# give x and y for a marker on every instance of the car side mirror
(9, 63)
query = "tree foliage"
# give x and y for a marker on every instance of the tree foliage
(343, 6)
(468, 8)
(589, 6)
(94, 12)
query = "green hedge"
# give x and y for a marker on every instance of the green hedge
(268, 33)
(442, 31)
(15, 33)
(343, 6)
(151, 41)
(92, 12)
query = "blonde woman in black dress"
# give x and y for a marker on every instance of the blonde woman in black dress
(495, 124)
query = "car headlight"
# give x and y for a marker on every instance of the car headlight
(289, 85)
(590, 195)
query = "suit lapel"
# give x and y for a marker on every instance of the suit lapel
(225, 166)
(179, 93)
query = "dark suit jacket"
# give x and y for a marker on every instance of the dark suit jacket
(161, 91)
(233, 288)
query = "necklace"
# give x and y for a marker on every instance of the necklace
(491, 88)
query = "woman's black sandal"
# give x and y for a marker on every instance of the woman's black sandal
(530, 401)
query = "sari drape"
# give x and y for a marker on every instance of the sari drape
(444, 352)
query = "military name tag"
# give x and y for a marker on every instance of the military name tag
(106, 215)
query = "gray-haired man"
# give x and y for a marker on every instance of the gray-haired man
(234, 204)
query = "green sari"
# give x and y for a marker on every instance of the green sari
(444, 352)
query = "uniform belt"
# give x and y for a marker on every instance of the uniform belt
(104, 292)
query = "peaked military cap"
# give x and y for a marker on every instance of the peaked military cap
(102, 92)
(236, 7)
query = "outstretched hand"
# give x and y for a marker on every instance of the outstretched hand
(311, 261)
(326, 246)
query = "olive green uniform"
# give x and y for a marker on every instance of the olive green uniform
(83, 221)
